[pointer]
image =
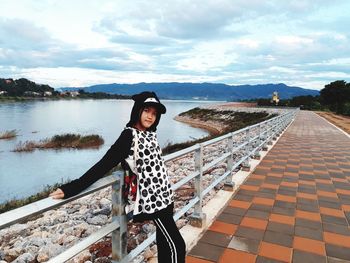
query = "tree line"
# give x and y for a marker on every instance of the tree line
(334, 97)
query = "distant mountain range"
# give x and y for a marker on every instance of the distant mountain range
(201, 91)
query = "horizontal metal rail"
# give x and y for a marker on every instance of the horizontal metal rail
(256, 135)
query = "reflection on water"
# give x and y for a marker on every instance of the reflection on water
(22, 174)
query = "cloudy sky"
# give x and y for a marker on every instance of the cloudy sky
(302, 43)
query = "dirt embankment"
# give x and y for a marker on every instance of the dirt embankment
(343, 122)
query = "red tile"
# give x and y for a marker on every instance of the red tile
(269, 186)
(257, 176)
(290, 220)
(323, 181)
(190, 259)
(240, 204)
(346, 208)
(274, 251)
(331, 212)
(341, 180)
(231, 255)
(307, 196)
(337, 239)
(249, 187)
(307, 182)
(286, 198)
(308, 215)
(223, 227)
(263, 201)
(327, 194)
(254, 223)
(309, 245)
(343, 191)
(289, 184)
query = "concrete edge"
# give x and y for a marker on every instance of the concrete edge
(217, 204)
(333, 125)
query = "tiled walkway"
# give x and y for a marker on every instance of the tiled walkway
(295, 207)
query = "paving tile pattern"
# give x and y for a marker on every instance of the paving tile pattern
(295, 206)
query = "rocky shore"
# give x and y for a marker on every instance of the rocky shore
(40, 239)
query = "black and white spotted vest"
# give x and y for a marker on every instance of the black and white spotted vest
(145, 159)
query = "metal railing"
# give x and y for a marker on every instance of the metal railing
(234, 150)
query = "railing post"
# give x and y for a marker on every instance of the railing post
(257, 155)
(245, 164)
(229, 184)
(119, 236)
(197, 219)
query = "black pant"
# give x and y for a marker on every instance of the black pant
(171, 245)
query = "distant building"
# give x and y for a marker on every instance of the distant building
(275, 98)
(74, 93)
(3, 92)
(47, 93)
(32, 93)
(8, 81)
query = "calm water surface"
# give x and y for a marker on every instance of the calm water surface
(22, 174)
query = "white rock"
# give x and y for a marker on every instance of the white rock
(148, 253)
(49, 251)
(98, 220)
(24, 258)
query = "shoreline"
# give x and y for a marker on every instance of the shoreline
(211, 127)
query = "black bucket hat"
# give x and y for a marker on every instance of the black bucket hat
(141, 100)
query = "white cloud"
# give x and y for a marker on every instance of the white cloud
(65, 42)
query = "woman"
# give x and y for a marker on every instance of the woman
(149, 192)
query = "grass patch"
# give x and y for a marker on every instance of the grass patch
(15, 203)
(8, 134)
(68, 140)
(232, 120)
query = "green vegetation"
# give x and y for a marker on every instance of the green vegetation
(333, 97)
(8, 134)
(232, 120)
(19, 87)
(15, 203)
(23, 90)
(62, 141)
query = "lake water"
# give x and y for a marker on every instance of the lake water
(23, 173)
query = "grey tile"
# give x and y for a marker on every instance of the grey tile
(207, 251)
(243, 197)
(308, 208)
(307, 223)
(261, 259)
(265, 208)
(334, 220)
(284, 204)
(307, 201)
(338, 252)
(283, 211)
(229, 218)
(305, 257)
(336, 260)
(311, 233)
(278, 238)
(281, 228)
(337, 229)
(329, 204)
(244, 244)
(258, 214)
(235, 210)
(266, 195)
(250, 233)
(246, 192)
(216, 238)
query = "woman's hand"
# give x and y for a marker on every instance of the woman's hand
(58, 194)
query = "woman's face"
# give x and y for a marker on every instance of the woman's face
(148, 117)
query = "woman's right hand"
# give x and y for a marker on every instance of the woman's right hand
(57, 194)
